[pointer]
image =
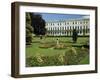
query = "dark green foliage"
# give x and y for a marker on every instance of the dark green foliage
(38, 24)
(74, 36)
(29, 29)
(32, 61)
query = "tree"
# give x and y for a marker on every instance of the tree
(29, 29)
(74, 36)
(38, 24)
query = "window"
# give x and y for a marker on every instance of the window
(60, 28)
(80, 29)
(84, 27)
(67, 22)
(55, 28)
(65, 27)
(80, 22)
(60, 24)
(86, 22)
(70, 27)
(51, 28)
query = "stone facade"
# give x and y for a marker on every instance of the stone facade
(65, 27)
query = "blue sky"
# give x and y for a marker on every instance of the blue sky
(53, 16)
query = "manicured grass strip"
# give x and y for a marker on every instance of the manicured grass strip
(85, 60)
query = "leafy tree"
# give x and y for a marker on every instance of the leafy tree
(38, 24)
(29, 29)
(74, 36)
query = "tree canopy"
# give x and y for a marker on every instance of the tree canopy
(29, 29)
(75, 35)
(38, 23)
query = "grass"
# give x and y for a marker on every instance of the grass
(35, 49)
(85, 60)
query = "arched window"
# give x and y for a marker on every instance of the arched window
(58, 24)
(84, 27)
(51, 29)
(73, 27)
(65, 27)
(68, 28)
(87, 30)
(55, 28)
(58, 28)
(76, 27)
(80, 29)
(75, 22)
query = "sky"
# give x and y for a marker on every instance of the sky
(54, 16)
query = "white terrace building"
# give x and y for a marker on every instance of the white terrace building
(65, 27)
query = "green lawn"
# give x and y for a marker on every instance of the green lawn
(85, 60)
(34, 50)
(50, 42)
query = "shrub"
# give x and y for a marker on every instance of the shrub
(61, 58)
(74, 36)
(60, 46)
(46, 45)
(31, 61)
(71, 56)
(40, 60)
